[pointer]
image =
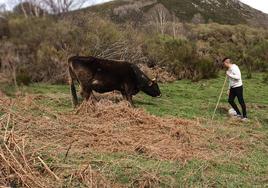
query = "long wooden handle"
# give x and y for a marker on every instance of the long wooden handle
(219, 99)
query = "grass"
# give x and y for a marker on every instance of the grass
(189, 100)
(192, 100)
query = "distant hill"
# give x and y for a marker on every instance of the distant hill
(197, 11)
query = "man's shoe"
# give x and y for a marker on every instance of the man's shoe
(245, 119)
(238, 116)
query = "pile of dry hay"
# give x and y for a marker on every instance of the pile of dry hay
(32, 134)
(23, 157)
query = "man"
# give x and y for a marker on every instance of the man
(235, 88)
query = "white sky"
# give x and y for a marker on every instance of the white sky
(11, 3)
(257, 4)
(261, 5)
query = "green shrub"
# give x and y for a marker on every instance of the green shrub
(23, 79)
(265, 78)
(259, 56)
(45, 43)
(4, 27)
(180, 56)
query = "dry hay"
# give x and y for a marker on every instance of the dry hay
(118, 128)
(21, 163)
(2, 94)
(105, 127)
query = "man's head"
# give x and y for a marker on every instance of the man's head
(227, 62)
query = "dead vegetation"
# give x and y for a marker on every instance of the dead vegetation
(36, 141)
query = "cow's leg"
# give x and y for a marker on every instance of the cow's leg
(91, 97)
(84, 91)
(127, 94)
(88, 95)
(124, 95)
(85, 84)
(130, 100)
(84, 94)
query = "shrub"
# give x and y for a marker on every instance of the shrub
(23, 78)
(181, 57)
(265, 78)
(43, 45)
(259, 56)
(4, 27)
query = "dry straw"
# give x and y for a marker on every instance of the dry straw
(36, 141)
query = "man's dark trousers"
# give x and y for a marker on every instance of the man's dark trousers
(237, 92)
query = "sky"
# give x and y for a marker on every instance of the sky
(261, 5)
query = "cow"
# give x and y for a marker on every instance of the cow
(104, 75)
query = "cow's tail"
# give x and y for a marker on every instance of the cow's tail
(72, 78)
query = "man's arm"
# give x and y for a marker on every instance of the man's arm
(235, 75)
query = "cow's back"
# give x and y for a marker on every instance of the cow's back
(119, 69)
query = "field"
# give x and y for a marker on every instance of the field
(163, 142)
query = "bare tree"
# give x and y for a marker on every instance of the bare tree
(22, 6)
(30, 8)
(39, 7)
(62, 6)
(2, 8)
(175, 25)
(160, 16)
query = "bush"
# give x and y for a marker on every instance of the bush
(265, 78)
(23, 79)
(259, 56)
(181, 57)
(4, 27)
(43, 45)
(48, 43)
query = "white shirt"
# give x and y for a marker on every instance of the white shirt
(234, 75)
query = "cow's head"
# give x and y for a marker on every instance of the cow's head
(152, 88)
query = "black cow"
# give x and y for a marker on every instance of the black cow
(103, 75)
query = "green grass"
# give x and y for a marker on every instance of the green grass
(192, 100)
(183, 99)
(127, 169)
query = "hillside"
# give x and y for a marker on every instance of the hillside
(205, 11)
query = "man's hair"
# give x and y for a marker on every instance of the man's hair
(225, 59)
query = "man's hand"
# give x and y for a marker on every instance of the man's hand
(227, 73)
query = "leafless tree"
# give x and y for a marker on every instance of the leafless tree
(62, 6)
(23, 8)
(39, 7)
(2, 8)
(160, 16)
(175, 25)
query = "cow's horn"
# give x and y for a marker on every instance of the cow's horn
(154, 79)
